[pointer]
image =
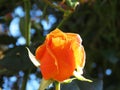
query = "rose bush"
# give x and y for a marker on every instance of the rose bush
(60, 55)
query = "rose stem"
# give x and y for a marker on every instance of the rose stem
(27, 37)
(57, 85)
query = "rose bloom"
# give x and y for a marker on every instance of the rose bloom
(60, 55)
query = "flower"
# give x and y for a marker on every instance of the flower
(61, 55)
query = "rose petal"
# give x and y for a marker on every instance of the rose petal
(61, 49)
(48, 63)
(78, 50)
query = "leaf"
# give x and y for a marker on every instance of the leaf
(33, 59)
(16, 59)
(72, 3)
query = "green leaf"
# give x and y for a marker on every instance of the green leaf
(16, 59)
(72, 3)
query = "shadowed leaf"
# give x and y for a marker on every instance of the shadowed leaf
(16, 59)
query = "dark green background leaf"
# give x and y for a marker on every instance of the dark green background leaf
(16, 59)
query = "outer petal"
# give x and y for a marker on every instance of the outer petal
(78, 50)
(48, 66)
(40, 51)
(74, 37)
(61, 48)
(56, 33)
(79, 54)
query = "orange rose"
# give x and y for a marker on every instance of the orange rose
(60, 55)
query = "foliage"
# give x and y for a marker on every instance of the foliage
(98, 24)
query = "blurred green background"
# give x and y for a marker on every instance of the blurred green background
(98, 23)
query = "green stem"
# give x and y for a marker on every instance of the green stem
(57, 85)
(67, 14)
(25, 78)
(27, 21)
(24, 82)
(27, 37)
(44, 11)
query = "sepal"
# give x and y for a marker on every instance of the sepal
(80, 77)
(32, 58)
(45, 83)
(68, 80)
